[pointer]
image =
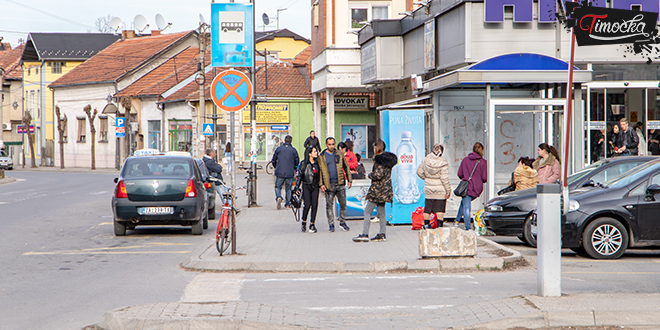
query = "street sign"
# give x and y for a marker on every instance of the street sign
(279, 127)
(232, 34)
(231, 90)
(120, 127)
(21, 129)
(207, 129)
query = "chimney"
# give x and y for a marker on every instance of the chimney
(155, 33)
(128, 34)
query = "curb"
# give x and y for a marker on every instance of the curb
(592, 318)
(196, 263)
(7, 180)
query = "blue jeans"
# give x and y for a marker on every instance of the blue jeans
(287, 189)
(464, 211)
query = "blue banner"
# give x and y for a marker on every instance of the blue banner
(232, 35)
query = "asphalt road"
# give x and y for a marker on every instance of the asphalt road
(62, 266)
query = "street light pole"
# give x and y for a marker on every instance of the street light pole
(253, 115)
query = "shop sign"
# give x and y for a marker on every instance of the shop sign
(20, 129)
(596, 125)
(603, 26)
(653, 124)
(352, 102)
(268, 113)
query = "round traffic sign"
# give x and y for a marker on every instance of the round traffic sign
(231, 90)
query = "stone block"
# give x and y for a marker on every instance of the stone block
(447, 242)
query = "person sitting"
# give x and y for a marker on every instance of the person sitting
(524, 175)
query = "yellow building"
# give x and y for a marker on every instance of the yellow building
(47, 57)
(282, 43)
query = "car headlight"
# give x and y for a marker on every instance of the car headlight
(494, 208)
(573, 205)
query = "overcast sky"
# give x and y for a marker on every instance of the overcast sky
(20, 17)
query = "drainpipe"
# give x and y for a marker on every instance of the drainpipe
(42, 112)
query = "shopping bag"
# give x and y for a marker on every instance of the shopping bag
(418, 218)
(433, 222)
(479, 225)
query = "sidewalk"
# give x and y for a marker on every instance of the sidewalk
(269, 240)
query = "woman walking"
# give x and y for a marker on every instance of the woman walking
(473, 170)
(434, 170)
(228, 157)
(308, 175)
(379, 193)
(547, 164)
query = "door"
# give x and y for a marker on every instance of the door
(648, 221)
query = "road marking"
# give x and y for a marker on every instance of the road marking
(614, 273)
(613, 261)
(376, 308)
(4, 203)
(114, 250)
(106, 223)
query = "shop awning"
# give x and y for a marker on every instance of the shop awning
(510, 69)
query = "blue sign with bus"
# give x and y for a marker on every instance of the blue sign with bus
(232, 35)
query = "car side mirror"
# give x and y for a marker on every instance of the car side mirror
(116, 180)
(653, 190)
(589, 183)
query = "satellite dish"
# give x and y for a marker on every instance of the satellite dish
(201, 19)
(115, 24)
(140, 23)
(161, 23)
(265, 18)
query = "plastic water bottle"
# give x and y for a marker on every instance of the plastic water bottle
(407, 191)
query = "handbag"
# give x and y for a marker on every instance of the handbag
(508, 188)
(461, 189)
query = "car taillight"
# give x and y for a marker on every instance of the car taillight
(191, 191)
(121, 190)
(207, 185)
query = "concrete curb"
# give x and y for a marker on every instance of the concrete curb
(545, 319)
(7, 180)
(197, 263)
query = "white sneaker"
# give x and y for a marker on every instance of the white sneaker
(455, 223)
(375, 220)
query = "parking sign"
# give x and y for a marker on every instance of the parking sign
(119, 127)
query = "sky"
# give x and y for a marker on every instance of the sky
(20, 17)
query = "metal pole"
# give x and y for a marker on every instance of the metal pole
(253, 117)
(215, 125)
(232, 118)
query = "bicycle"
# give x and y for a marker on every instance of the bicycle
(223, 236)
(270, 169)
(250, 189)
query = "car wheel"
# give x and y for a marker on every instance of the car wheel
(605, 238)
(120, 228)
(530, 230)
(206, 222)
(198, 226)
(10, 168)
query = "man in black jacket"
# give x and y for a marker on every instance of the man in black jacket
(629, 138)
(214, 168)
(312, 140)
(285, 159)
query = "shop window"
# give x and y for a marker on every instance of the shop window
(180, 135)
(379, 12)
(82, 129)
(358, 15)
(103, 129)
(154, 134)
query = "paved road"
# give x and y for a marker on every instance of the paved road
(62, 266)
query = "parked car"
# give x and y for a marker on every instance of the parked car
(512, 214)
(159, 190)
(603, 221)
(5, 161)
(210, 188)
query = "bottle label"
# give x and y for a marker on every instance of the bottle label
(407, 159)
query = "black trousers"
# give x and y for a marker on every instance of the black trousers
(310, 194)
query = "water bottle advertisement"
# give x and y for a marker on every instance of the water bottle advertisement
(403, 132)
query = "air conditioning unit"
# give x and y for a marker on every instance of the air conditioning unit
(6, 127)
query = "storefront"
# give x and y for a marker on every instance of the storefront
(273, 125)
(180, 135)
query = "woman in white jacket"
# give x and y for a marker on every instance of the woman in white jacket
(434, 170)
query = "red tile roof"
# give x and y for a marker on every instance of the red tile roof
(10, 61)
(118, 59)
(303, 57)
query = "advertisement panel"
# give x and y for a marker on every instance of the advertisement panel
(403, 132)
(356, 200)
(357, 134)
(268, 139)
(271, 113)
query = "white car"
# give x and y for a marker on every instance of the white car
(5, 161)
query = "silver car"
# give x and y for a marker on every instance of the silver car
(5, 161)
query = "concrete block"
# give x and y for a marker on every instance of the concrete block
(357, 267)
(428, 264)
(447, 242)
(385, 266)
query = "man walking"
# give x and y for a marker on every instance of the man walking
(285, 159)
(335, 178)
(629, 138)
(213, 167)
(312, 140)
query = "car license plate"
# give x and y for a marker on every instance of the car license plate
(155, 210)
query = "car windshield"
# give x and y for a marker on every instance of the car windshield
(632, 175)
(3, 154)
(157, 166)
(579, 175)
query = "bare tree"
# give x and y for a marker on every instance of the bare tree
(27, 120)
(102, 24)
(126, 103)
(88, 111)
(61, 127)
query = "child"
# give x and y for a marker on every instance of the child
(361, 172)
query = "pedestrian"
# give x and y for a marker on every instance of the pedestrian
(228, 156)
(347, 149)
(642, 149)
(524, 175)
(615, 141)
(309, 174)
(285, 159)
(361, 172)
(311, 141)
(335, 178)
(473, 170)
(654, 142)
(547, 164)
(380, 192)
(434, 170)
(629, 139)
(598, 146)
(214, 168)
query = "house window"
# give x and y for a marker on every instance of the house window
(82, 129)
(358, 15)
(57, 67)
(379, 12)
(315, 15)
(154, 134)
(103, 129)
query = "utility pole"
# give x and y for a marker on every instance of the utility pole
(2, 101)
(202, 97)
(253, 113)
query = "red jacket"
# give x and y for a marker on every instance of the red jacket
(352, 160)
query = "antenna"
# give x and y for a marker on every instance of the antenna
(201, 19)
(265, 18)
(140, 23)
(161, 23)
(115, 24)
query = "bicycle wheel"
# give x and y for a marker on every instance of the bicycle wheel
(223, 241)
(221, 232)
(270, 169)
(249, 193)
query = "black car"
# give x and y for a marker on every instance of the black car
(210, 189)
(605, 220)
(513, 213)
(159, 190)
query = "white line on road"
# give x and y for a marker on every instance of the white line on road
(99, 193)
